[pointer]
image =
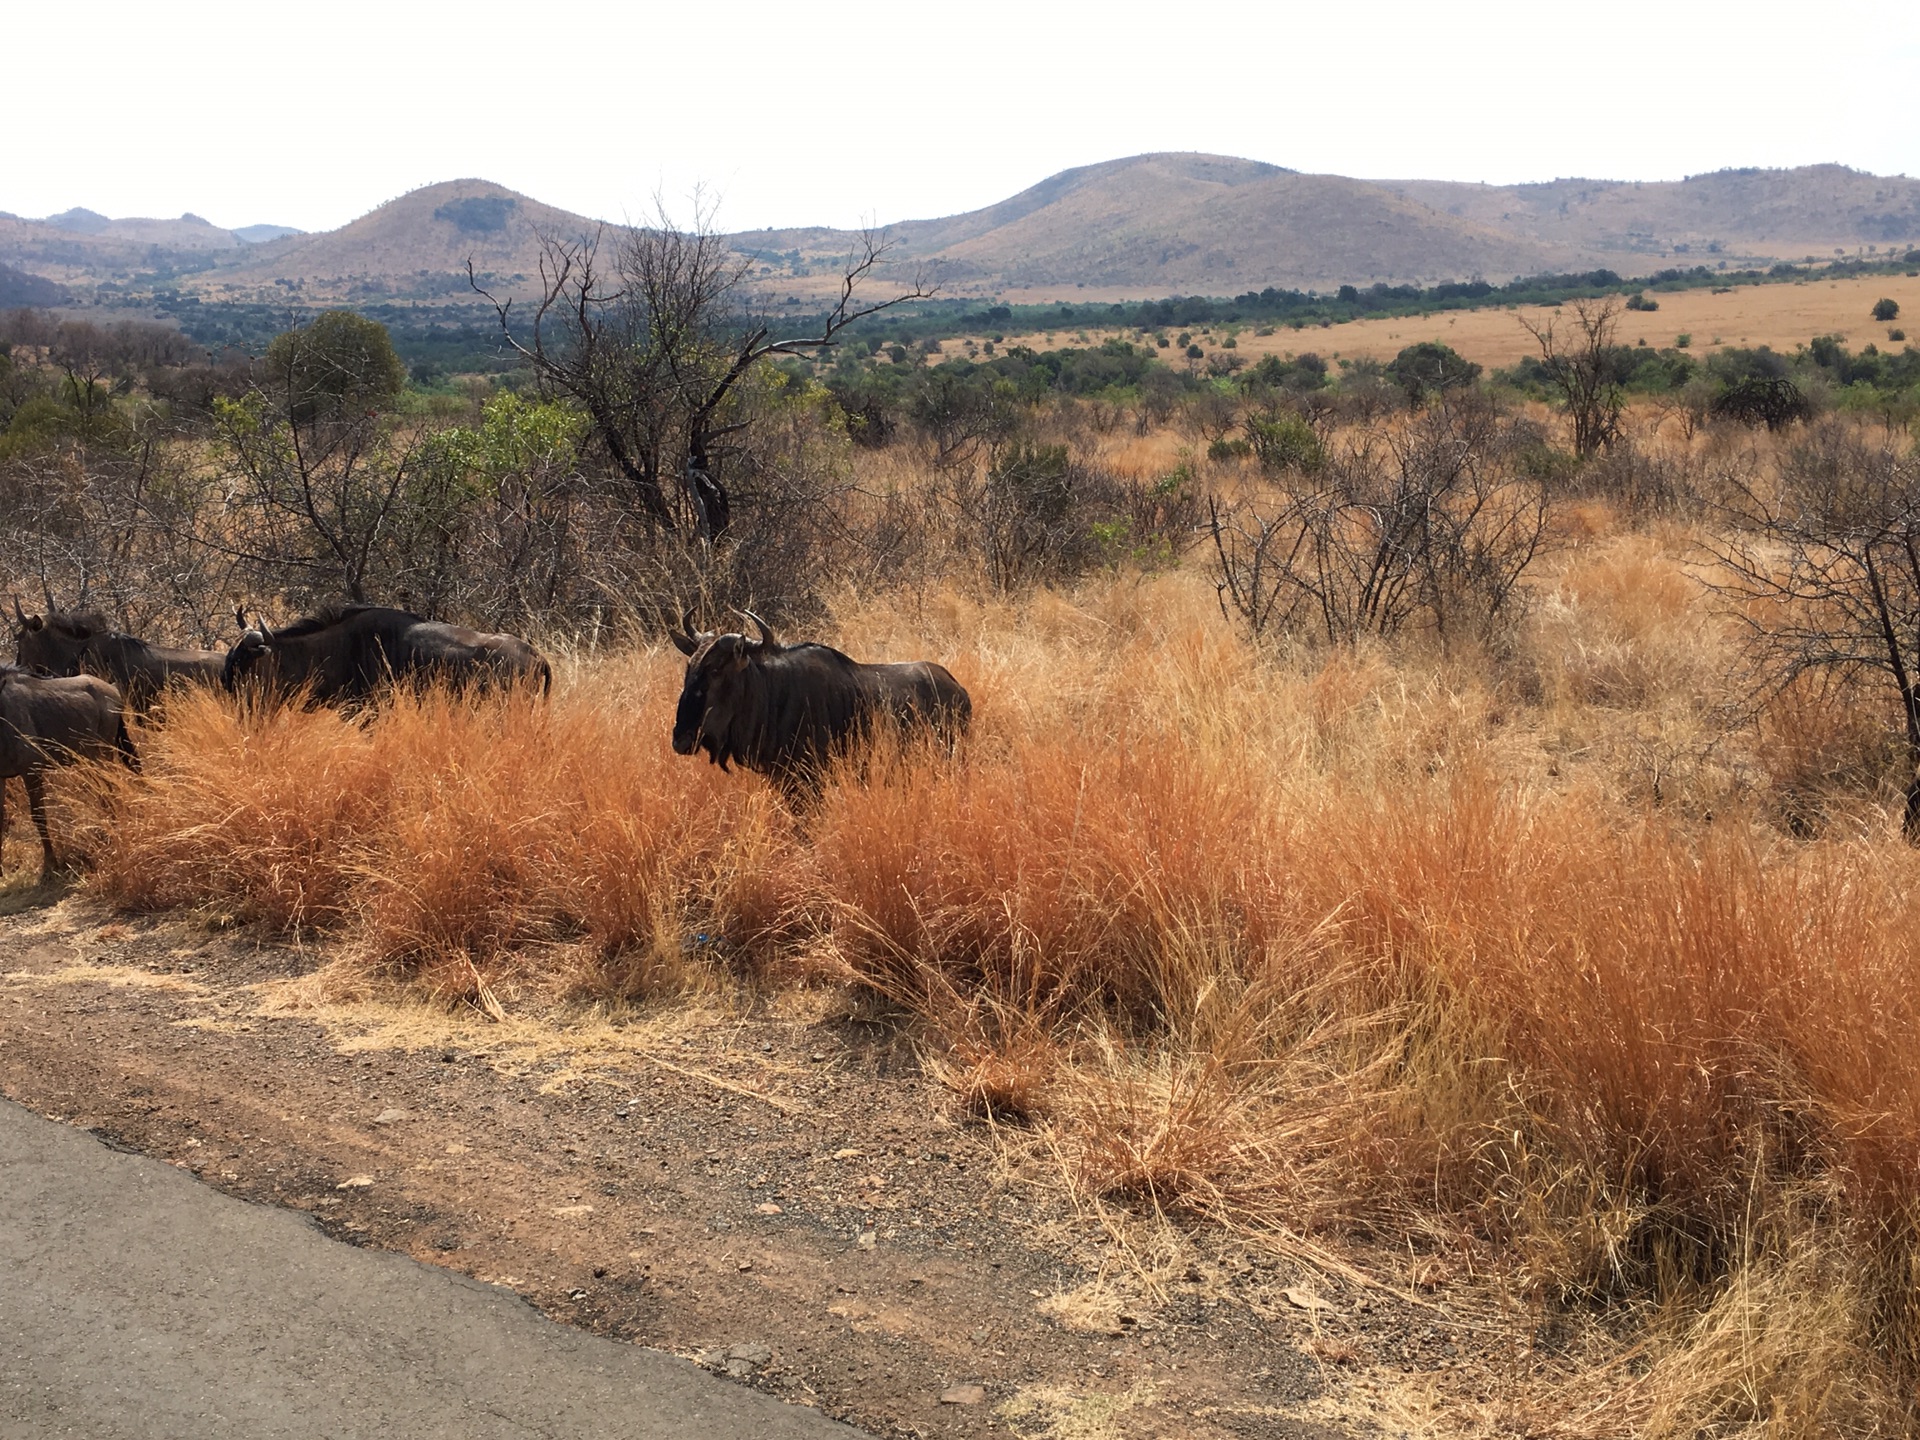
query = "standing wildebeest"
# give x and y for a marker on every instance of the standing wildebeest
(67, 644)
(48, 720)
(785, 709)
(348, 652)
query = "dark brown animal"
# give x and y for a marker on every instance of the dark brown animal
(785, 710)
(351, 652)
(55, 720)
(73, 643)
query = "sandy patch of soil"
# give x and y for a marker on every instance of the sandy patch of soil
(776, 1190)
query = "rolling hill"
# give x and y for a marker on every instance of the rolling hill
(415, 247)
(1149, 225)
(84, 248)
(1164, 224)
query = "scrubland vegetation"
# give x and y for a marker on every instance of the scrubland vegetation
(1408, 821)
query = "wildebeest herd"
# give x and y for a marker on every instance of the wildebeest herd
(781, 710)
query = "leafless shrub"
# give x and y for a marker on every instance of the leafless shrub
(1642, 479)
(1426, 527)
(1826, 567)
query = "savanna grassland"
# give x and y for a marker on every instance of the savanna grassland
(1484, 892)
(1780, 316)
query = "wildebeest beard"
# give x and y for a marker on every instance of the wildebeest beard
(687, 732)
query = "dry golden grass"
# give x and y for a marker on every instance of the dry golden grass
(1362, 940)
(467, 847)
(1781, 315)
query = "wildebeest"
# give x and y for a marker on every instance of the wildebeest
(784, 710)
(73, 642)
(55, 720)
(349, 652)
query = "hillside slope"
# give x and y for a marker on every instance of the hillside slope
(414, 247)
(1782, 213)
(1161, 224)
(1148, 225)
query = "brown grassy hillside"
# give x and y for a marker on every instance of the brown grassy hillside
(1809, 211)
(414, 247)
(1154, 225)
(1145, 226)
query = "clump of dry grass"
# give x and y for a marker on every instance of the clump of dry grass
(459, 844)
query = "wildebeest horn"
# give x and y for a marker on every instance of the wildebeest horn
(260, 624)
(240, 616)
(767, 642)
(18, 613)
(683, 639)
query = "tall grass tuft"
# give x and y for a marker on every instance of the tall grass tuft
(460, 844)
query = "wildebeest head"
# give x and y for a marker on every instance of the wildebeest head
(254, 646)
(54, 644)
(714, 695)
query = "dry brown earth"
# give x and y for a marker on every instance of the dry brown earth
(718, 1182)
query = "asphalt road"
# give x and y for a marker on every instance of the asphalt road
(135, 1302)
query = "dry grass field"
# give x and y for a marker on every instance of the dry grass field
(1784, 316)
(1507, 960)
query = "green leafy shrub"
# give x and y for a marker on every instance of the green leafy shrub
(1285, 442)
(1430, 368)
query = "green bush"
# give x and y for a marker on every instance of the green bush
(1285, 442)
(1430, 368)
(1884, 309)
(341, 362)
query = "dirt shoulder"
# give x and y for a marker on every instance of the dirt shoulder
(781, 1194)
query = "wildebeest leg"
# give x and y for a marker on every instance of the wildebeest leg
(3, 825)
(37, 803)
(123, 742)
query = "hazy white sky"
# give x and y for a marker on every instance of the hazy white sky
(796, 113)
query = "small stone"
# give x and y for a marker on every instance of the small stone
(850, 1153)
(355, 1182)
(766, 1049)
(817, 1058)
(390, 1117)
(1305, 1299)
(744, 1266)
(964, 1395)
(868, 1239)
(571, 1212)
(767, 1207)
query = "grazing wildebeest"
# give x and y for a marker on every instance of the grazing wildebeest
(54, 720)
(784, 710)
(70, 643)
(349, 652)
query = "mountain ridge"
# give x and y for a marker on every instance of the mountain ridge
(1144, 225)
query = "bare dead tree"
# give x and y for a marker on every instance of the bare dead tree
(654, 347)
(1827, 573)
(1581, 367)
